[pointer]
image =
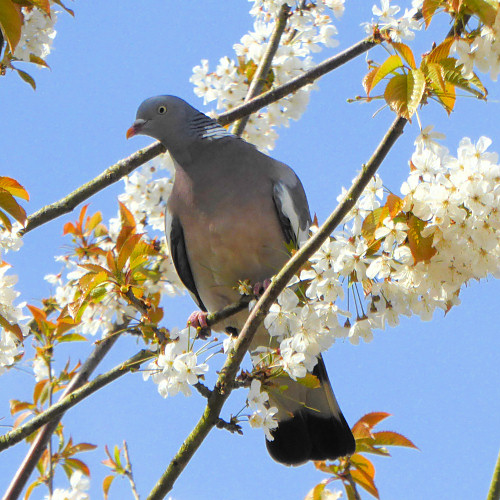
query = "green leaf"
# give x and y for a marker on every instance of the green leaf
(453, 75)
(372, 222)
(26, 77)
(404, 93)
(428, 9)
(421, 248)
(486, 11)
(310, 381)
(11, 23)
(72, 337)
(375, 76)
(315, 493)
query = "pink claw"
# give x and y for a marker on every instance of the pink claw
(198, 320)
(260, 288)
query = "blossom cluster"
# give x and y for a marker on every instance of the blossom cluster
(37, 34)
(308, 30)
(263, 416)
(10, 344)
(482, 51)
(176, 368)
(456, 201)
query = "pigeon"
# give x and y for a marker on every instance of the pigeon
(233, 215)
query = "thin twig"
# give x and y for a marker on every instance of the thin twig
(40, 442)
(260, 77)
(225, 381)
(352, 484)
(494, 491)
(128, 471)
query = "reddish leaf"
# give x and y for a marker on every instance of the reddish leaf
(363, 464)
(126, 250)
(10, 205)
(365, 482)
(77, 464)
(440, 52)
(394, 204)
(390, 438)
(69, 228)
(370, 420)
(406, 53)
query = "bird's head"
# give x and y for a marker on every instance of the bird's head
(165, 118)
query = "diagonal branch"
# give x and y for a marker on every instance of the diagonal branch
(260, 77)
(65, 403)
(124, 167)
(225, 381)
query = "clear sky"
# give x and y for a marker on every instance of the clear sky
(438, 379)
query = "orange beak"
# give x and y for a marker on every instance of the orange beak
(131, 132)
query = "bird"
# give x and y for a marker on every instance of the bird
(232, 215)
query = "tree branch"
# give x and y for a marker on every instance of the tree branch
(494, 491)
(109, 176)
(126, 166)
(225, 381)
(40, 442)
(58, 409)
(260, 77)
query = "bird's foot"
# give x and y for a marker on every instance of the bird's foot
(260, 288)
(198, 320)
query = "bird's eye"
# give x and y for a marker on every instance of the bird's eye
(162, 110)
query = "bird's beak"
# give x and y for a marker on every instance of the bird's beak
(135, 128)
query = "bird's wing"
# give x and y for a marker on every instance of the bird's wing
(293, 210)
(177, 246)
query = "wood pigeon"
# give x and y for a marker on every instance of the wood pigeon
(231, 216)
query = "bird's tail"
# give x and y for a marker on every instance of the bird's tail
(311, 425)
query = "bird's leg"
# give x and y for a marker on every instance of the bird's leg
(198, 320)
(260, 288)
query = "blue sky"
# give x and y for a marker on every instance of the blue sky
(438, 379)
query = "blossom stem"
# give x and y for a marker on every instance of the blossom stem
(260, 77)
(128, 471)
